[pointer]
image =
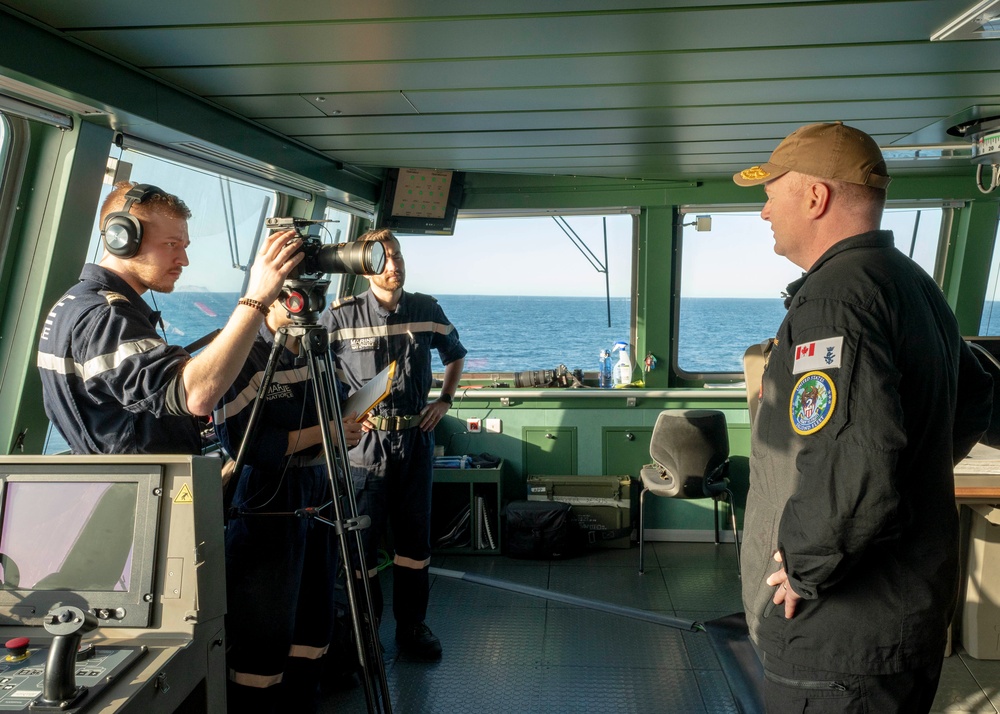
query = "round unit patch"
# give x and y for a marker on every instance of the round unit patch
(812, 403)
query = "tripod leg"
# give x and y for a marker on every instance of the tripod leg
(280, 337)
(315, 344)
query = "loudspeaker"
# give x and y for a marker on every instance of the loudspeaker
(122, 232)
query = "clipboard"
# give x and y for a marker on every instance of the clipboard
(377, 389)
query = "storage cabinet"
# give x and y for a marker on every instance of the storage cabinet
(465, 510)
(549, 450)
(626, 450)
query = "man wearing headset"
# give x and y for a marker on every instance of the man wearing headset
(111, 384)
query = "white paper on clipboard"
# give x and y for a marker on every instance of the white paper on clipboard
(377, 389)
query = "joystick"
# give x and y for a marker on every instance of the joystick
(59, 689)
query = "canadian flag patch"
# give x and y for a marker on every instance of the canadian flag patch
(821, 354)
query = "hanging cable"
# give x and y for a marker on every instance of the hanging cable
(225, 189)
(589, 255)
(913, 239)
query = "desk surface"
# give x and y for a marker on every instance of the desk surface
(977, 477)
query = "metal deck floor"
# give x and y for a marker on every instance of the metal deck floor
(507, 652)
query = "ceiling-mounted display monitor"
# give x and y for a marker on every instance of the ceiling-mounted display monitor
(420, 201)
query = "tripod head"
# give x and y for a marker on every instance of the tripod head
(304, 300)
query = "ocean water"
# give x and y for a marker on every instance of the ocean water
(990, 323)
(519, 333)
(522, 333)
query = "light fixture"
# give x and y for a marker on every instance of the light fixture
(979, 22)
(927, 152)
(45, 98)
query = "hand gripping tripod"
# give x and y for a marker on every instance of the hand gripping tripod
(303, 300)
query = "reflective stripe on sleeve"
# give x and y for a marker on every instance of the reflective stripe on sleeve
(96, 365)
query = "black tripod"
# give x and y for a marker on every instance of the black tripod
(303, 300)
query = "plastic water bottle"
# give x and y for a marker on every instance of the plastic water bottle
(604, 370)
(623, 369)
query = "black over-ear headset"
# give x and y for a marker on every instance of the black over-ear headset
(122, 232)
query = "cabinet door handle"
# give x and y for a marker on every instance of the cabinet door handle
(550, 436)
(629, 436)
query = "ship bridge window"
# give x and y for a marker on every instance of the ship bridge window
(531, 292)
(989, 324)
(731, 281)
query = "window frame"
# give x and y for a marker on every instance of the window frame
(588, 367)
(688, 212)
(16, 144)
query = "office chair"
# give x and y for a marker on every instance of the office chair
(753, 373)
(992, 367)
(690, 450)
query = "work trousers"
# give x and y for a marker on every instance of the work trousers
(401, 501)
(795, 689)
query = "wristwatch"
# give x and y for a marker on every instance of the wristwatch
(446, 398)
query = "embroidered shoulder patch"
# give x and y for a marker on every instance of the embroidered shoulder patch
(113, 297)
(812, 403)
(343, 301)
(821, 354)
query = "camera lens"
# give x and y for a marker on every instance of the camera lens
(534, 378)
(357, 258)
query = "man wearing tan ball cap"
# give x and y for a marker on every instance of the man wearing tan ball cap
(833, 151)
(868, 399)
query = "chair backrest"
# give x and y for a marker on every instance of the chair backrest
(992, 367)
(753, 373)
(690, 445)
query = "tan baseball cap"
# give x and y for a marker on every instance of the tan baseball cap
(831, 151)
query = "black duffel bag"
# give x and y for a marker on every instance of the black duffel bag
(541, 530)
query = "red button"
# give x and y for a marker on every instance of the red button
(18, 645)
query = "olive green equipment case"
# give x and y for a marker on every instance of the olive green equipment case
(601, 505)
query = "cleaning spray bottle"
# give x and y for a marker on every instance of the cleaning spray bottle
(623, 369)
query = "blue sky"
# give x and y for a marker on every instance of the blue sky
(518, 256)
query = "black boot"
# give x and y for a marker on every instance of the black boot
(418, 642)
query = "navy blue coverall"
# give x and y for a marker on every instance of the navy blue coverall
(280, 568)
(393, 470)
(869, 398)
(110, 383)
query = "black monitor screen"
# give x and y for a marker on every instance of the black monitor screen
(78, 535)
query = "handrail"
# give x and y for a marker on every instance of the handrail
(737, 392)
